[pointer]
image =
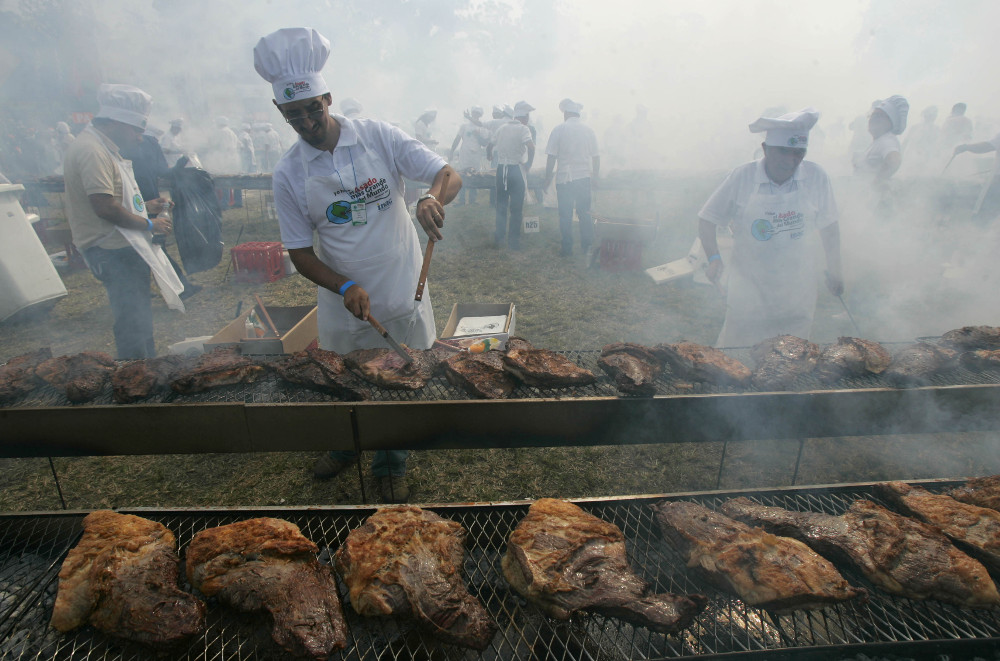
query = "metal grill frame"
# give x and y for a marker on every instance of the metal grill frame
(34, 545)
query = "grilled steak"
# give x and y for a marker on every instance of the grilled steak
(122, 579)
(543, 368)
(969, 338)
(918, 363)
(408, 561)
(781, 360)
(896, 553)
(851, 357)
(763, 569)
(565, 560)
(222, 367)
(632, 367)
(17, 375)
(81, 376)
(698, 362)
(269, 564)
(975, 529)
(324, 371)
(480, 374)
(141, 378)
(981, 359)
(385, 368)
(982, 491)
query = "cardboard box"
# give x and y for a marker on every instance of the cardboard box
(457, 328)
(297, 326)
(671, 270)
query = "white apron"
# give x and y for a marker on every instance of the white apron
(773, 276)
(163, 271)
(383, 256)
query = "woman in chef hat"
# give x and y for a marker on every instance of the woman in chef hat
(886, 123)
(775, 207)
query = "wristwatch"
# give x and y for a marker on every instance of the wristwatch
(426, 196)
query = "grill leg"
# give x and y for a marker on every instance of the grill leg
(798, 460)
(722, 461)
(357, 450)
(52, 467)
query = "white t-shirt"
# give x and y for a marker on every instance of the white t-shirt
(574, 144)
(884, 145)
(510, 142)
(403, 155)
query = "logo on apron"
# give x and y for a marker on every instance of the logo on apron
(761, 229)
(137, 202)
(339, 212)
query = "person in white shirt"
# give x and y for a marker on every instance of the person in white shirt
(774, 208)
(172, 143)
(422, 129)
(470, 143)
(988, 206)
(884, 156)
(248, 157)
(515, 149)
(573, 147)
(343, 181)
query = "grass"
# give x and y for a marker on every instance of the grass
(562, 303)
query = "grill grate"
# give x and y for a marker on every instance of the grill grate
(33, 547)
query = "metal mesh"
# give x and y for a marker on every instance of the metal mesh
(33, 547)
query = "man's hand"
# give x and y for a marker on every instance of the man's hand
(714, 270)
(835, 283)
(430, 215)
(959, 149)
(162, 225)
(356, 301)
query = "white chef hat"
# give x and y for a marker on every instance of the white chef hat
(291, 60)
(508, 111)
(897, 108)
(350, 104)
(569, 105)
(498, 108)
(789, 130)
(62, 127)
(124, 103)
(522, 108)
(476, 111)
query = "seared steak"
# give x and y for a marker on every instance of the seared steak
(480, 374)
(565, 560)
(698, 362)
(896, 553)
(141, 378)
(969, 338)
(269, 564)
(852, 357)
(918, 363)
(781, 360)
(408, 561)
(324, 371)
(632, 367)
(17, 375)
(81, 376)
(761, 568)
(981, 359)
(543, 368)
(385, 368)
(982, 491)
(122, 579)
(222, 367)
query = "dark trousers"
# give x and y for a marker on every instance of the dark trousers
(575, 194)
(510, 194)
(125, 277)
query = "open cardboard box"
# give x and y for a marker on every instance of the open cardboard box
(296, 324)
(455, 333)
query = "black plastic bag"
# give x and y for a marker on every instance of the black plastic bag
(197, 217)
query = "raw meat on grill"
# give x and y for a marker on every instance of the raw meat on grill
(141, 378)
(918, 363)
(981, 359)
(852, 357)
(969, 338)
(632, 367)
(121, 578)
(408, 561)
(975, 529)
(222, 367)
(543, 368)
(982, 491)
(698, 362)
(81, 376)
(480, 374)
(385, 368)
(565, 560)
(268, 563)
(761, 568)
(17, 375)
(324, 371)
(898, 554)
(781, 360)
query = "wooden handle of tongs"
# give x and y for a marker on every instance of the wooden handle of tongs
(267, 316)
(424, 269)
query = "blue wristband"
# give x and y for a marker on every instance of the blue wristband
(149, 224)
(713, 258)
(347, 285)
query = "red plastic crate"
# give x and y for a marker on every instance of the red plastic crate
(258, 261)
(619, 255)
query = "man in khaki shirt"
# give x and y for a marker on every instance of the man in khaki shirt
(96, 205)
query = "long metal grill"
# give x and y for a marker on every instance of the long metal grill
(269, 389)
(32, 548)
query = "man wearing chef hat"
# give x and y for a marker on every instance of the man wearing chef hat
(886, 123)
(774, 208)
(573, 145)
(111, 223)
(343, 179)
(515, 149)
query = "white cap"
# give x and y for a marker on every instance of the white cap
(569, 105)
(498, 108)
(291, 60)
(350, 104)
(476, 111)
(124, 103)
(897, 108)
(789, 130)
(522, 108)
(508, 111)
